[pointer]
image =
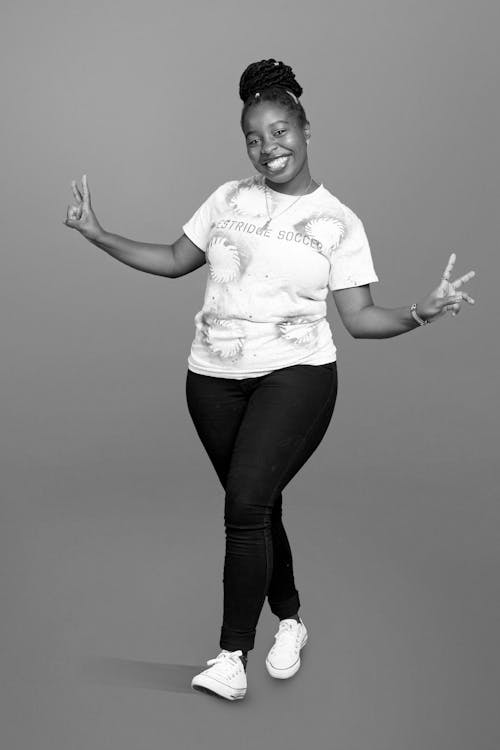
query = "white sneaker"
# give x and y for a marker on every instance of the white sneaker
(226, 677)
(283, 660)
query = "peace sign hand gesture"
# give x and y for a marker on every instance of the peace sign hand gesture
(81, 216)
(445, 297)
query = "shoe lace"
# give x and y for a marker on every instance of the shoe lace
(286, 635)
(224, 657)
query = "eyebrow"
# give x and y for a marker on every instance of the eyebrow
(271, 125)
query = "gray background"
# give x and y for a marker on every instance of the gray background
(112, 538)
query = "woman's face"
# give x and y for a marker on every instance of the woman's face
(277, 146)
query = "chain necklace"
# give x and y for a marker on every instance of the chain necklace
(271, 218)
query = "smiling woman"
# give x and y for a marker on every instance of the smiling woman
(261, 381)
(275, 243)
(276, 127)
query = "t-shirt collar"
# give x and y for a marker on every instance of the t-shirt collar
(276, 193)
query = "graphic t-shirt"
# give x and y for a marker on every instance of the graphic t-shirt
(267, 283)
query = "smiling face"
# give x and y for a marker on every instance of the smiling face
(277, 146)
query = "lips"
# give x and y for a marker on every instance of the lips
(277, 163)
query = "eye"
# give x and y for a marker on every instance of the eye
(252, 142)
(279, 132)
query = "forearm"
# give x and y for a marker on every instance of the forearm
(373, 322)
(147, 257)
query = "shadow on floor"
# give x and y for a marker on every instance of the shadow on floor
(113, 671)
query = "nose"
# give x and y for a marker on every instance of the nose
(268, 145)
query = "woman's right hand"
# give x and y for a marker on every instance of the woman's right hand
(80, 215)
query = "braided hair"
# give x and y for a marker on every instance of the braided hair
(271, 81)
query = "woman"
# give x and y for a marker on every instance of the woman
(261, 383)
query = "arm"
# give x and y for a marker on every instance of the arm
(365, 320)
(175, 260)
(162, 260)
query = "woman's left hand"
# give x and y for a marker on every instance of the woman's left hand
(445, 297)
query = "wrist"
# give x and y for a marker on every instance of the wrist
(417, 317)
(96, 236)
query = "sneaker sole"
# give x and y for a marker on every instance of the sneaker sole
(204, 684)
(284, 674)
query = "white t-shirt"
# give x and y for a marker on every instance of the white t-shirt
(265, 298)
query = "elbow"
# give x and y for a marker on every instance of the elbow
(358, 332)
(357, 324)
(354, 331)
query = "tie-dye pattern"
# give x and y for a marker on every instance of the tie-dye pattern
(223, 260)
(267, 282)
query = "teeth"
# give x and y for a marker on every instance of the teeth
(277, 163)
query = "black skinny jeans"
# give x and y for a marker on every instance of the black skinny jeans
(258, 432)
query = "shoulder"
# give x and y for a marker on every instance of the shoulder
(227, 190)
(239, 183)
(345, 212)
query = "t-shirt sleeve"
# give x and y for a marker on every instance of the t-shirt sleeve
(199, 226)
(351, 262)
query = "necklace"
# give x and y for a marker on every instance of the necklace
(270, 218)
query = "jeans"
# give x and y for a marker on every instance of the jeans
(258, 432)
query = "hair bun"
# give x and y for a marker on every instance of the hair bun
(266, 73)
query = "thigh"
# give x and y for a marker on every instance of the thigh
(216, 407)
(286, 418)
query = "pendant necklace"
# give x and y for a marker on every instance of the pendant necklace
(271, 218)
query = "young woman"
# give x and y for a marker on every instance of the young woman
(261, 382)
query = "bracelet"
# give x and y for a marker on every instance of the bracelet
(415, 316)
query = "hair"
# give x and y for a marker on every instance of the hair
(271, 81)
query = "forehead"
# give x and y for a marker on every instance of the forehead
(263, 115)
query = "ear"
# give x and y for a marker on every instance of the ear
(307, 132)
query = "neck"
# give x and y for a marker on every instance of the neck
(299, 185)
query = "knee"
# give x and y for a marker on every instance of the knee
(247, 510)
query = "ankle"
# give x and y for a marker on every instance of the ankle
(243, 657)
(292, 617)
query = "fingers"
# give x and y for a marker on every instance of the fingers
(459, 296)
(446, 287)
(446, 302)
(467, 298)
(453, 302)
(447, 271)
(455, 308)
(73, 214)
(463, 279)
(76, 192)
(86, 194)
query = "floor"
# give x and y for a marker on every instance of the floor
(112, 594)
